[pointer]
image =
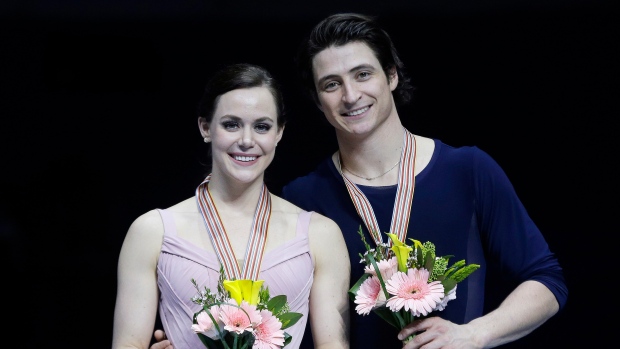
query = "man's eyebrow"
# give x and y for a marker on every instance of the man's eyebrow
(352, 70)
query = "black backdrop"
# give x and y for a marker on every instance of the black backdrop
(98, 126)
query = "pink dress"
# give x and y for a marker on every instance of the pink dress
(287, 270)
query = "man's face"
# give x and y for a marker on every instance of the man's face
(353, 91)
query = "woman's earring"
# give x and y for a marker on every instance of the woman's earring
(206, 139)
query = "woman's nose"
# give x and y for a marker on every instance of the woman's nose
(247, 139)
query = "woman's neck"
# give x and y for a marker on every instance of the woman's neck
(229, 193)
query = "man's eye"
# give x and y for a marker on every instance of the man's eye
(331, 86)
(363, 75)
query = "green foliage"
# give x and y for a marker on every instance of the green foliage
(263, 298)
(439, 268)
(419, 253)
(386, 314)
(429, 260)
(289, 319)
(464, 272)
(448, 285)
(277, 305)
(353, 290)
(421, 256)
(287, 339)
(210, 343)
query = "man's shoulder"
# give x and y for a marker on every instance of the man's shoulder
(319, 173)
(310, 183)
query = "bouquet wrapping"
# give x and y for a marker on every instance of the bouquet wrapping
(242, 315)
(404, 282)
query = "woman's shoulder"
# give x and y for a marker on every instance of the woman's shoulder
(317, 220)
(151, 222)
(284, 206)
(146, 222)
(187, 205)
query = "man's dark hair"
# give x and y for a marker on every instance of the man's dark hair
(341, 29)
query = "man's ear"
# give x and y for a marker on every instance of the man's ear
(205, 130)
(315, 99)
(393, 78)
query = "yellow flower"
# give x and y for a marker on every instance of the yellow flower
(244, 290)
(417, 244)
(401, 251)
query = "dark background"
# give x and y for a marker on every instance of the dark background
(98, 126)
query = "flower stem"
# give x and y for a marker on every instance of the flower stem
(406, 340)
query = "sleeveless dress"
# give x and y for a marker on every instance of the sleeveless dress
(287, 270)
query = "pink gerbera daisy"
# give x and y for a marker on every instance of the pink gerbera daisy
(386, 267)
(268, 334)
(369, 296)
(413, 292)
(205, 325)
(239, 319)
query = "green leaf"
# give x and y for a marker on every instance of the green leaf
(236, 340)
(219, 330)
(454, 267)
(353, 291)
(210, 343)
(289, 319)
(419, 257)
(429, 262)
(399, 319)
(464, 272)
(448, 284)
(386, 314)
(276, 303)
(287, 339)
(378, 272)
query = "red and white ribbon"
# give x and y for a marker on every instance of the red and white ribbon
(219, 238)
(404, 194)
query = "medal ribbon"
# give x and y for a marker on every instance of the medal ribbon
(258, 235)
(404, 194)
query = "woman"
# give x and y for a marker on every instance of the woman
(240, 116)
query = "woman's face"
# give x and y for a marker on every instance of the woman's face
(243, 133)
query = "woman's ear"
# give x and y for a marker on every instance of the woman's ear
(279, 135)
(203, 126)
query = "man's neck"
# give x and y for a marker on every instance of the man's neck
(372, 153)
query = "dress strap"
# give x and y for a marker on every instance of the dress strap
(303, 223)
(170, 229)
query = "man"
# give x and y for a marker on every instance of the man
(457, 198)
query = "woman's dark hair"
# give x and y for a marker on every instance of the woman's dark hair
(239, 76)
(341, 29)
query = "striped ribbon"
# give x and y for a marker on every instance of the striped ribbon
(258, 235)
(404, 194)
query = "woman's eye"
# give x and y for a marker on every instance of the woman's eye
(262, 128)
(229, 125)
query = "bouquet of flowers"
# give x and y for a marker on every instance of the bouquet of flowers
(411, 283)
(242, 315)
